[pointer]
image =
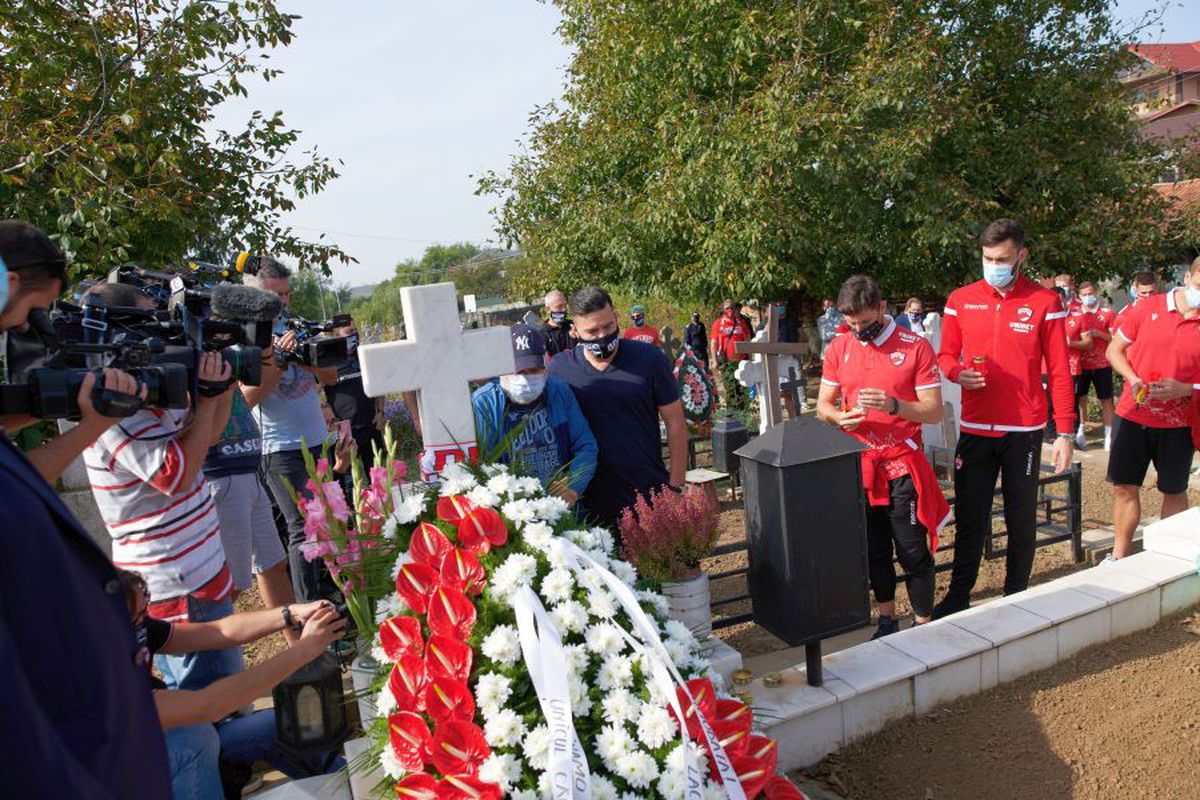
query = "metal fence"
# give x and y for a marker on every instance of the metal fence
(1060, 507)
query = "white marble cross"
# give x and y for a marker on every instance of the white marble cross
(437, 360)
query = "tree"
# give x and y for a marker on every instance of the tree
(106, 137)
(709, 148)
(383, 306)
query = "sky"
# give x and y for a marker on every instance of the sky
(416, 97)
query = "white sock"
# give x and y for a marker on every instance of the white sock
(1108, 433)
(1081, 431)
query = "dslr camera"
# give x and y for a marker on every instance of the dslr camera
(314, 348)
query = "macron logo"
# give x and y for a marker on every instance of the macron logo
(976, 306)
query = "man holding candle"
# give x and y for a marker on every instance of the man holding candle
(996, 332)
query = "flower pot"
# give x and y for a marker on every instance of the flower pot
(689, 602)
(362, 673)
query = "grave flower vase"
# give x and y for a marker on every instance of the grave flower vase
(690, 602)
(362, 672)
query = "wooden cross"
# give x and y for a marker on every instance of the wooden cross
(766, 349)
(438, 360)
(669, 343)
(794, 385)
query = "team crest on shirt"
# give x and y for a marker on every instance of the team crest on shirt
(1024, 313)
(1154, 316)
(897, 357)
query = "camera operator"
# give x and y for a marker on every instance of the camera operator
(350, 403)
(82, 721)
(147, 480)
(288, 407)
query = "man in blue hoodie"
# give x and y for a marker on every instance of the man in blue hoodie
(554, 442)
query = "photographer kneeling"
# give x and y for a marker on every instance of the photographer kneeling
(82, 722)
(147, 480)
(288, 407)
(202, 728)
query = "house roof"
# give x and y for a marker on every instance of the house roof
(1178, 121)
(1185, 194)
(1176, 57)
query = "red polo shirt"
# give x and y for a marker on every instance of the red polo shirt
(900, 363)
(727, 330)
(1014, 331)
(1078, 322)
(1162, 344)
(642, 333)
(1096, 358)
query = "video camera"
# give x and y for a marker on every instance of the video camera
(314, 348)
(159, 347)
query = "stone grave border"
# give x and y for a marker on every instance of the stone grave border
(917, 670)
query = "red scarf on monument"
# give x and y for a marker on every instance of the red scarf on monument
(932, 509)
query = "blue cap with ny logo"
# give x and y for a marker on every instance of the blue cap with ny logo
(529, 347)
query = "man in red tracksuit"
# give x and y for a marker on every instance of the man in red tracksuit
(890, 385)
(727, 330)
(995, 335)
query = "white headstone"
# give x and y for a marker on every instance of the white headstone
(437, 360)
(469, 305)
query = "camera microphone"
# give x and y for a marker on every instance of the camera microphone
(244, 303)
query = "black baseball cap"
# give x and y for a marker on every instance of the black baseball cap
(529, 347)
(24, 246)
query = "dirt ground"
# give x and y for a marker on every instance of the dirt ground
(1119, 720)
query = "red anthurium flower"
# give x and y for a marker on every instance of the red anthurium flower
(409, 736)
(429, 545)
(401, 635)
(731, 709)
(458, 748)
(417, 786)
(733, 736)
(447, 657)
(753, 774)
(780, 788)
(481, 529)
(764, 748)
(462, 570)
(408, 681)
(416, 583)
(451, 613)
(466, 787)
(452, 509)
(706, 703)
(447, 699)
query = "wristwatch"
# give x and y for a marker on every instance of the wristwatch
(288, 620)
(895, 407)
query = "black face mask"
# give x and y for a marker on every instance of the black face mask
(638, 319)
(604, 347)
(558, 317)
(870, 332)
(696, 318)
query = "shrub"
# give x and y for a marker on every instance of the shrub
(666, 535)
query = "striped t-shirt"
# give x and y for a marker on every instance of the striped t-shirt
(165, 531)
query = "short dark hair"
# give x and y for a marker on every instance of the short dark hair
(268, 267)
(589, 300)
(1003, 230)
(1086, 285)
(1145, 277)
(858, 293)
(29, 253)
(118, 295)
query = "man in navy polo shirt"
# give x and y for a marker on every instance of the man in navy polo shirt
(624, 387)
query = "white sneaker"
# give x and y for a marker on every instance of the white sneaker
(1108, 559)
(1080, 441)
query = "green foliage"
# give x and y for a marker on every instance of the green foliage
(383, 306)
(106, 139)
(311, 298)
(707, 148)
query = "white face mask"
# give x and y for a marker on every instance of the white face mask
(1090, 301)
(523, 389)
(998, 274)
(1192, 295)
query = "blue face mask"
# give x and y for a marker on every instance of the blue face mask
(998, 275)
(3, 284)
(1090, 301)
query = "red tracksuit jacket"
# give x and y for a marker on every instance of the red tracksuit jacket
(1013, 332)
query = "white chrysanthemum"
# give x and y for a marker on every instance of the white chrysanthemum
(612, 742)
(519, 511)
(529, 486)
(502, 645)
(657, 603)
(526, 794)
(389, 606)
(655, 726)
(582, 538)
(623, 570)
(716, 678)
(502, 483)
(622, 706)
(457, 479)
(495, 468)
(390, 526)
(538, 535)
(680, 653)
(581, 701)
(605, 539)
(615, 673)
(385, 701)
(483, 496)
(551, 509)
(410, 509)
(504, 728)
(601, 604)
(537, 748)
(713, 790)
(576, 657)
(677, 630)
(672, 784)
(401, 560)
(492, 691)
(602, 788)
(558, 585)
(377, 652)
(391, 764)
(605, 639)
(518, 570)
(501, 769)
(638, 768)
(570, 616)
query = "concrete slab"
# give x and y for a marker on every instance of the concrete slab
(871, 711)
(1056, 603)
(1081, 632)
(1157, 566)
(807, 739)
(1108, 583)
(1028, 654)
(723, 658)
(937, 643)
(946, 683)
(1138, 612)
(1177, 536)
(1180, 595)
(999, 622)
(871, 665)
